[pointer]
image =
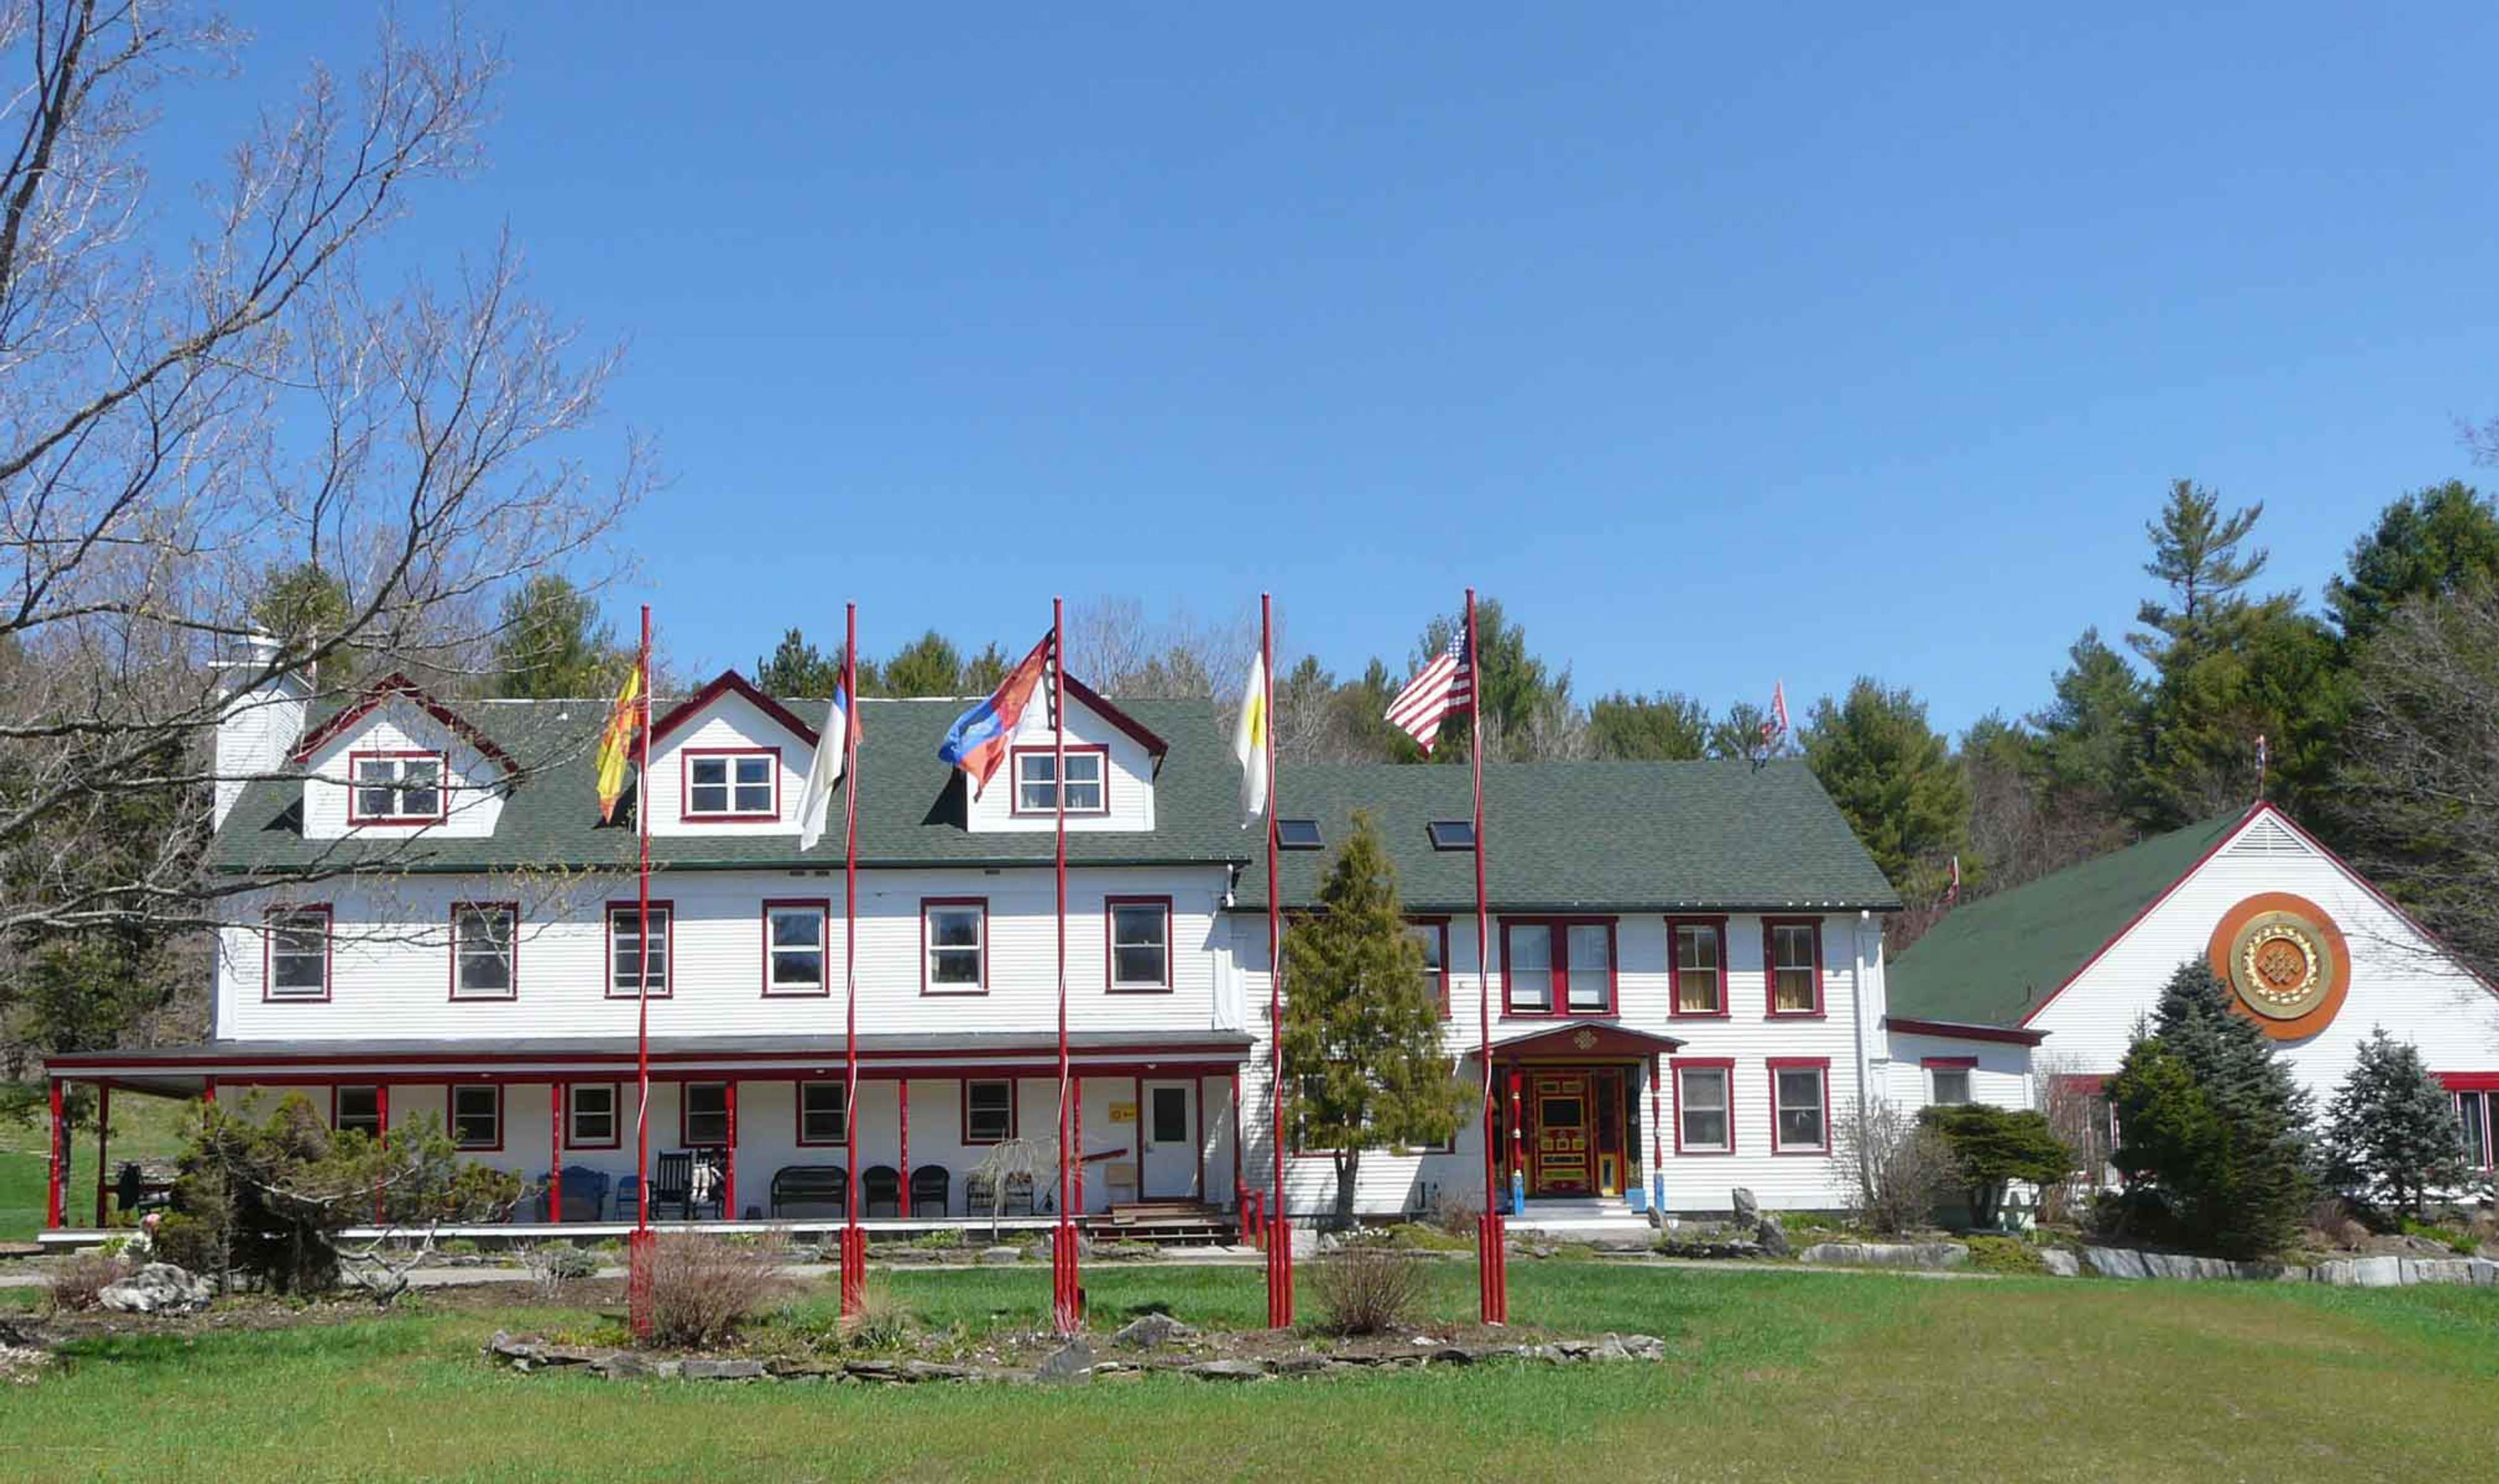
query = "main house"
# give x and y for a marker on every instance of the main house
(1686, 971)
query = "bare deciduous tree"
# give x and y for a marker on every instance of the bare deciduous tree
(1897, 1170)
(196, 412)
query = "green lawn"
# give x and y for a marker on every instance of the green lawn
(1777, 1376)
(142, 1128)
(22, 1196)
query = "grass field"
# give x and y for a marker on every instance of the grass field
(1776, 1376)
(142, 1128)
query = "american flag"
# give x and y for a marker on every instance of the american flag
(1439, 686)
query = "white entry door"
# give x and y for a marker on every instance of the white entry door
(1167, 1133)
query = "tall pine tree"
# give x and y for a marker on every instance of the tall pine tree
(1893, 777)
(2391, 1133)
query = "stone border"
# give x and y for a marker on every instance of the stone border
(1074, 1363)
(2338, 1273)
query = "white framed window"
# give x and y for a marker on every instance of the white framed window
(396, 789)
(1139, 943)
(1799, 1109)
(1702, 1122)
(625, 950)
(297, 940)
(702, 1117)
(1528, 966)
(1036, 771)
(1795, 960)
(357, 1107)
(1699, 969)
(794, 955)
(484, 960)
(1948, 1087)
(955, 946)
(824, 1113)
(590, 1115)
(1590, 966)
(732, 786)
(989, 1113)
(478, 1116)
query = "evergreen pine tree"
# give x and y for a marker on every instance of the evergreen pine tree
(2391, 1132)
(1893, 777)
(1362, 1024)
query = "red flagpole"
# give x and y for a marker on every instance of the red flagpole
(1067, 1296)
(1493, 1277)
(1279, 1239)
(638, 1282)
(853, 1265)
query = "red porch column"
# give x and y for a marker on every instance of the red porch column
(209, 1090)
(1517, 1124)
(55, 1154)
(1076, 1146)
(903, 1100)
(102, 1131)
(729, 1155)
(1657, 1150)
(381, 1133)
(1238, 1188)
(555, 1153)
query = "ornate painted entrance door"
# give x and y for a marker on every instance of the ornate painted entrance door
(1563, 1125)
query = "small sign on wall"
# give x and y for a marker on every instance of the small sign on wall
(1124, 1112)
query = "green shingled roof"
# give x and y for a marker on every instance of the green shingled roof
(1990, 962)
(1569, 836)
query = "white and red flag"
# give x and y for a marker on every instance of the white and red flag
(1438, 688)
(1774, 727)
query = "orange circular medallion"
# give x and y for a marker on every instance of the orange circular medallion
(2285, 961)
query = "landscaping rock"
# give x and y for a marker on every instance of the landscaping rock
(1050, 1243)
(723, 1370)
(2364, 1272)
(2128, 1262)
(1000, 1256)
(2061, 1263)
(871, 1370)
(1450, 1355)
(1644, 1346)
(159, 1288)
(1302, 1365)
(1924, 1256)
(1748, 1211)
(1227, 1371)
(1774, 1238)
(624, 1366)
(931, 1371)
(1149, 1331)
(1071, 1362)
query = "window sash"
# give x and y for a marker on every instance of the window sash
(1528, 954)
(299, 954)
(955, 945)
(1797, 1093)
(358, 1107)
(1701, 1105)
(730, 784)
(2473, 1112)
(1590, 962)
(1696, 970)
(1037, 776)
(1951, 1085)
(988, 1111)
(824, 1113)
(590, 1114)
(482, 952)
(624, 930)
(796, 947)
(1141, 946)
(477, 1115)
(706, 1115)
(1794, 952)
(398, 788)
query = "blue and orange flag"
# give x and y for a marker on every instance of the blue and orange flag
(976, 742)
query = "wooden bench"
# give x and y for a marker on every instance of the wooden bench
(811, 1185)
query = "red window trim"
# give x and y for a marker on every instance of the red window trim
(269, 953)
(512, 914)
(441, 789)
(615, 1116)
(1677, 1066)
(1770, 971)
(799, 1113)
(824, 906)
(1110, 945)
(2485, 1086)
(2469, 1081)
(925, 948)
(685, 1108)
(1777, 1064)
(1559, 1001)
(1015, 779)
(381, 1104)
(685, 786)
(451, 1122)
(1949, 1063)
(1674, 1009)
(963, 1107)
(1441, 925)
(667, 909)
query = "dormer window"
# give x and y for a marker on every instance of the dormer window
(396, 789)
(1036, 773)
(732, 785)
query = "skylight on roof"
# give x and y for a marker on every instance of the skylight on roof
(1297, 834)
(1451, 835)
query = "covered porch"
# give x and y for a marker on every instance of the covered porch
(746, 1132)
(1580, 1117)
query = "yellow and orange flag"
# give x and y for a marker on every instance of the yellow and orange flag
(616, 745)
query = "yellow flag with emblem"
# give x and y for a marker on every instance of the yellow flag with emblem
(1250, 743)
(616, 746)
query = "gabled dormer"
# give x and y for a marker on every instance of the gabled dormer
(1112, 762)
(396, 761)
(729, 761)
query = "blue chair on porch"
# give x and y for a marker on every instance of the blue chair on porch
(585, 1194)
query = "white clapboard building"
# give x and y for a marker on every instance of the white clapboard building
(1686, 975)
(2050, 980)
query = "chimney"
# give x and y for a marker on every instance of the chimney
(257, 728)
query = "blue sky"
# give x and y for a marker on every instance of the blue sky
(1726, 345)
